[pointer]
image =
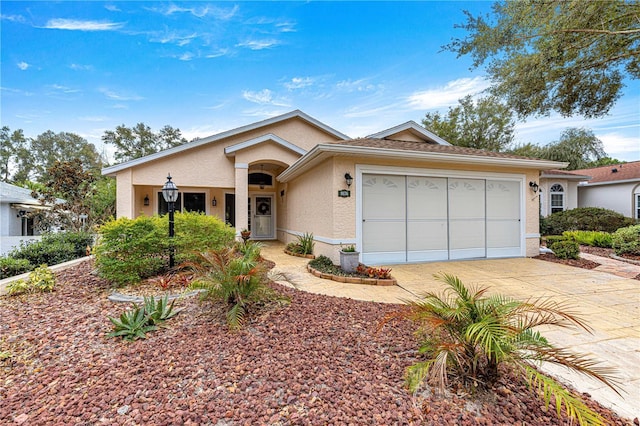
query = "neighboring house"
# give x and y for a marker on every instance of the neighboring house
(615, 187)
(15, 224)
(400, 195)
(559, 190)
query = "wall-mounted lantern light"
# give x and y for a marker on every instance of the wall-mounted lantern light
(348, 179)
(534, 187)
(214, 202)
(146, 200)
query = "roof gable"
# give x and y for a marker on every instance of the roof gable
(409, 127)
(223, 135)
(256, 141)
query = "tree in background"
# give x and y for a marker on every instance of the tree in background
(12, 148)
(140, 140)
(486, 124)
(67, 190)
(570, 56)
(577, 146)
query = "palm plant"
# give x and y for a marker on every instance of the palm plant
(467, 334)
(237, 279)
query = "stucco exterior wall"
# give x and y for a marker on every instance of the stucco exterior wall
(313, 205)
(570, 194)
(617, 197)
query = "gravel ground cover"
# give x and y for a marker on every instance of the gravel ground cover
(319, 360)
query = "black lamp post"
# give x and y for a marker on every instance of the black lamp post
(170, 194)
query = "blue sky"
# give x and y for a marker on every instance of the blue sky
(360, 67)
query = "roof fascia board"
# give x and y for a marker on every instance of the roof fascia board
(322, 151)
(567, 177)
(610, 182)
(194, 144)
(407, 126)
(268, 137)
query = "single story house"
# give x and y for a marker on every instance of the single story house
(399, 195)
(15, 223)
(615, 187)
(559, 190)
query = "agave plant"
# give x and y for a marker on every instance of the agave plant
(235, 278)
(133, 324)
(159, 311)
(466, 334)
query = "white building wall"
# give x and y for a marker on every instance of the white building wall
(617, 197)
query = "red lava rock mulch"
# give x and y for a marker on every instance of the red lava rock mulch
(578, 263)
(317, 361)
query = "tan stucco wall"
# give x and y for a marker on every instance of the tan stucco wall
(313, 205)
(208, 167)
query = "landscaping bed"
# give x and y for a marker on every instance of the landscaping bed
(321, 360)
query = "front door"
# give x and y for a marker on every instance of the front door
(262, 216)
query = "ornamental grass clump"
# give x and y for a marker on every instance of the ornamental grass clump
(465, 335)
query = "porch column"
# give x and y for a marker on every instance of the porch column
(242, 195)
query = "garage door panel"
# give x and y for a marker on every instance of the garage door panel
(384, 236)
(427, 240)
(503, 219)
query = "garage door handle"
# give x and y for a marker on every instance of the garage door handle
(364, 220)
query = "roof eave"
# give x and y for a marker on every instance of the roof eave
(321, 151)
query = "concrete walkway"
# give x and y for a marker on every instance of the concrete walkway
(609, 303)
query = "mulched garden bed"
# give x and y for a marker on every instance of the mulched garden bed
(578, 263)
(320, 360)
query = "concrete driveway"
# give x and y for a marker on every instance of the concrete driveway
(610, 304)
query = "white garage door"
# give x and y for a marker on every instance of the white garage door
(421, 218)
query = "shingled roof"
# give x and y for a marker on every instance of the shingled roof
(613, 174)
(425, 147)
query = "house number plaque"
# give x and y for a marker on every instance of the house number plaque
(344, 193)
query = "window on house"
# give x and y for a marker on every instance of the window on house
(187, 201)
(637, 206)
(261, 179)
(556, 194)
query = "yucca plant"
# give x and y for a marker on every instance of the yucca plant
(159, 311)
(306, 243)
(236, 279)
(466, 334)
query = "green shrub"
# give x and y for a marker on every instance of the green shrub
(130, 250)
(584, 219)
(41, 279)
(321, 263)
(54, 248)
(589, 238)
(550, 239)
(10, 267)
(566, 249)
(197, 232)
(627, 240)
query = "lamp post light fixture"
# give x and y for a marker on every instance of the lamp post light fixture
(170, 194)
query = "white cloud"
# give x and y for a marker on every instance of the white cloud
(360, 85)
(112, 8)
(264, 97)
(200, 12)
(259, 44)
(94, 119)
(13, 18)
(173, 37)
(217, 54)
(299, 83)
(77, 25)
(63, 89)
(80, 67)
(116, 96)
(620, 146)
(286, 27)
(187, 56)
(448, 94)
(23, 65)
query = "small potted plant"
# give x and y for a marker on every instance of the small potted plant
(349, 258)
(245, 234)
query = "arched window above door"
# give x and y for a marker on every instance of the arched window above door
(260, 178)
